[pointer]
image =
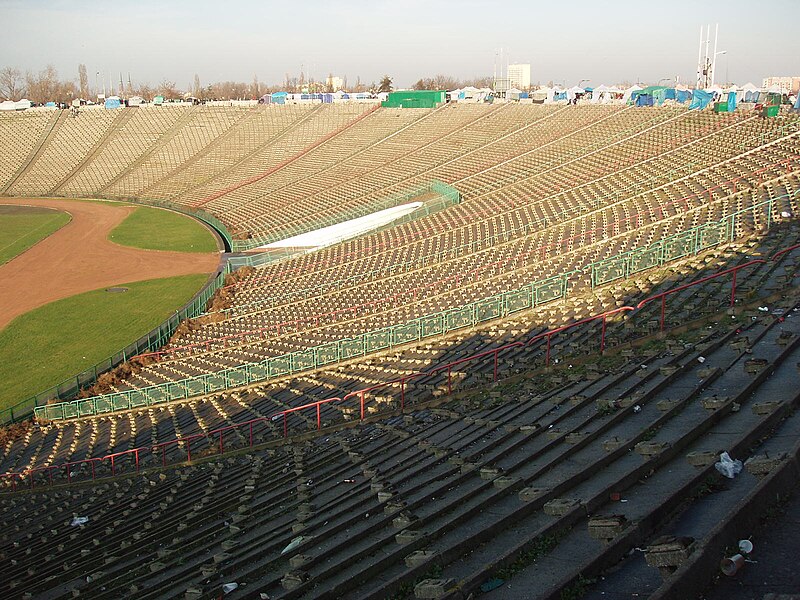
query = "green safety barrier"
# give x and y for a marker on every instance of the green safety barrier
(691, 241)
(149, 342)
(602, 202)
(448, 195)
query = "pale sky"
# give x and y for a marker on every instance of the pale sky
(604, 41)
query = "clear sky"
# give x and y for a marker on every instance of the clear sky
(605, 41)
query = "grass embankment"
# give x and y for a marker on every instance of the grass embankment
(156, 229)
(23, 226)
(46, 346)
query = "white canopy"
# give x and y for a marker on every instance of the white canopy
(749, 87)
(8, 105)
(627, 95)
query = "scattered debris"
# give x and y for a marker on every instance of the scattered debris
(77, 521)
(296, 542)
(731, 565)
(492, 584)
(229, 587)
(727, 466)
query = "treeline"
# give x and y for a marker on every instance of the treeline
(46, 86)
(445, 82)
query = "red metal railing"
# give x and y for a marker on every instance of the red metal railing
(283, 163)
(216, 437)
(663, 295)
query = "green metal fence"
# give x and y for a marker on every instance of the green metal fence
(669, 249)
(149, 342)
(664, 177)
(448, 196)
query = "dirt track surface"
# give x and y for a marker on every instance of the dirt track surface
(79, 258)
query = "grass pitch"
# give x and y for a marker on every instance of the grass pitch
(23, 226)
(156, 229)
(50, 344)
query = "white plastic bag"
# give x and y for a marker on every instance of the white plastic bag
(229, 587)
(77, 521)
(727, 466)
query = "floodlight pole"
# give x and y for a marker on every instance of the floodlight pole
(714, 62)
(700, 58)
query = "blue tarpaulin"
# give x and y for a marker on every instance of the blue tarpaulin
(644, 100)
(731, 101)
(700, 99)
(683, 96)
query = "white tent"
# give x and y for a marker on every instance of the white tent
(22, 104)
(602, 93)
(749, 87)
(574, 91)
(543, 94)
(8, 105)
(627, 95)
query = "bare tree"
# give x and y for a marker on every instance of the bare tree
(83, 81)
(12, 85)
(256, 88)
(445, 82)
(168, 90)
(145, 91)
(197, 91)
(43, 86)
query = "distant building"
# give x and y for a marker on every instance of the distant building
(787, 85)
(519, 76)
(333, 83)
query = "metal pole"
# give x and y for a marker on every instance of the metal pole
(547, 358)
(603, 336)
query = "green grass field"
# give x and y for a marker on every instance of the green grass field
(48, 345)
(156, 229)
(23, 226)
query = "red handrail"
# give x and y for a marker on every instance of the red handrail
(663, 295)
(361, 393)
